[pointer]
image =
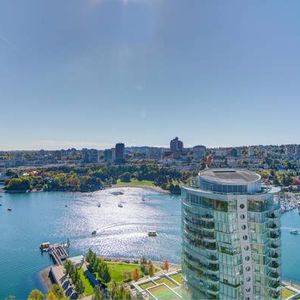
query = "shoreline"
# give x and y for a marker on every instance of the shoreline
(145, 187)
(44, 278)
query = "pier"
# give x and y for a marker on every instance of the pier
(58, 253)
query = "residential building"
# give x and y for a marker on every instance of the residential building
(120, 153)
(176, 145)
(199, 152)
(231, 236)
(108, 155)
(89, 156)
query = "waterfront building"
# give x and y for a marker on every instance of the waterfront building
(231, 236)
(199, 152)
(176, 145)
(120, 153)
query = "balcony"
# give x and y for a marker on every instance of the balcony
(274, 294)
(274, 275)
(274, 255)
(274, 246)
(274, 264)
(274, 235)
(274, 284)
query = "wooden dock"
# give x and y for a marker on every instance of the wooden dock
(58, 253)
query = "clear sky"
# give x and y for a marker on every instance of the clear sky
(90, 73)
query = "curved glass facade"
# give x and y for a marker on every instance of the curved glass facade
(231, 245)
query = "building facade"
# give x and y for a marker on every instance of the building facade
(231, 236)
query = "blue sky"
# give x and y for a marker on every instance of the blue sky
(90, 73)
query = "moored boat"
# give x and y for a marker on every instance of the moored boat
(45, 246)
(295, 232)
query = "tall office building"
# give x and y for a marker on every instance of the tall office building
(176, 145)
(120, 153)
(231, 236)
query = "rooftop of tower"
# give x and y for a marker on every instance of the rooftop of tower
(230, 176)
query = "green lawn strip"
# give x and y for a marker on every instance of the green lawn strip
(135, 183)
(165, 280)
(177, 277)
(146, 285)
(286, 293)
(118, 270)
(88, 288)
(163, 293)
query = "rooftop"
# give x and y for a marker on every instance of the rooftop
(230, 176)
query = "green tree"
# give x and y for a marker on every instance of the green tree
(151, 269)
(57, 291)
(36, 295)
(125, 177)
(98, 295)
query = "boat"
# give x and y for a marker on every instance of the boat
(66, 205)
(99, 205)
(45, 246)
(0, 204)
(152, 233)
(94, 232)
(295, 232)
(9, 209)
(117, 193)
(120, 205)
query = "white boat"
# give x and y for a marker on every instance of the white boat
(45, 246)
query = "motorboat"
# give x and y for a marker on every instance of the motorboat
(45, 246)
(9, 209)
(152, 233)
(295, 232)
(120, 205)
(94, 232)
(99, 205)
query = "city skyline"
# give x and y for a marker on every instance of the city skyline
(144, 71)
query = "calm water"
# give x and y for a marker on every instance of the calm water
(39, 217)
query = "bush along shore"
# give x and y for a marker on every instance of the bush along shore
(90, 179)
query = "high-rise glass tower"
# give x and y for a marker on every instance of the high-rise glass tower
(231, 236)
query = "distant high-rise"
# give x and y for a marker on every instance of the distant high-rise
(176, 145)
(199, 152)
(231, 236)
(120, 153)
(89, 155)
(108, 155)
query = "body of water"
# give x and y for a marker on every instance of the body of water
(39, 217)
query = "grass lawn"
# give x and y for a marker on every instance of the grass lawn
(88, 288)
(147, 285)
(161, 292)
(177, 277)
(286, 293)
(165, 280)
(135, 183)
(117, 270)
